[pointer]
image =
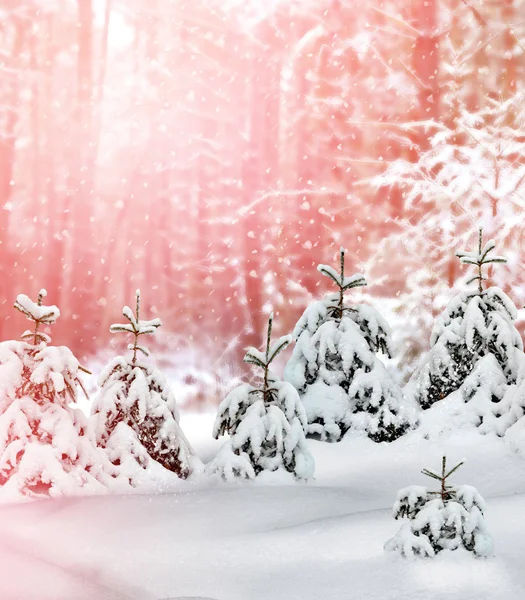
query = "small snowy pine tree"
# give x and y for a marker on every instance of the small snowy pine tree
(474, 325)
(266, 424)
(135, 412)
(46, 446)
(449, 519)
(334, 366)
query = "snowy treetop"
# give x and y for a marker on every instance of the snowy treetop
(372, 324)
(39, 314)
(344, 283)
(263, 359)
(136, 326)
(35, 311)
(474, 312)
(479, 258)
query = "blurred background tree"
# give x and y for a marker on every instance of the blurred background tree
(213, 152)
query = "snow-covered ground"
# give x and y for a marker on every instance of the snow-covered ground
(272, 540)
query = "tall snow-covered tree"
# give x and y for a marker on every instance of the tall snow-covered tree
(476, 326)
(266, 423)
(135, 412)
(334, 367)
(46, 445)
(447, 519)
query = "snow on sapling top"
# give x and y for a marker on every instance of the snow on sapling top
(137, 327)
(412, 499)
(263, 360)
(343, 283)
(446, 492)
(39, 314)
(479, 259)
(375, 329)
(55, 363)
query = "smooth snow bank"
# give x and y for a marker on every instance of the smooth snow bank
(256, 541)
(241, 543)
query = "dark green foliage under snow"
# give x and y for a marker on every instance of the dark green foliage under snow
(475, 325)
(135, 411)
(266, 423)
(446, 519)
(334, 367)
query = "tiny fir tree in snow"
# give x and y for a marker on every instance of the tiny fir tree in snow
(334, 367)
(135, 411)
(266, 423)
(447, 519)
(475, 325)
(46, 447)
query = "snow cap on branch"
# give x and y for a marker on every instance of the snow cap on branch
(263, 360)
(39, 314)
(479, 259)
(344, 283)
(136, 326)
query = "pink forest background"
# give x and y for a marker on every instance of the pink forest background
(212, 153)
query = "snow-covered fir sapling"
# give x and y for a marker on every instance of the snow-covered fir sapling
(447, 519)
(334, 366)
(46, 446)
(135, 413)
(474, 336)
(266, 423)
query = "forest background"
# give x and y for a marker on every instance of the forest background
(213, 152)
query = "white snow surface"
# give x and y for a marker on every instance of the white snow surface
(271, 540)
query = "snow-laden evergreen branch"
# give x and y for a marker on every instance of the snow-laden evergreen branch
(342, 282)
(39, 314)
(263, 360)
(479, 259)
(137, 327)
